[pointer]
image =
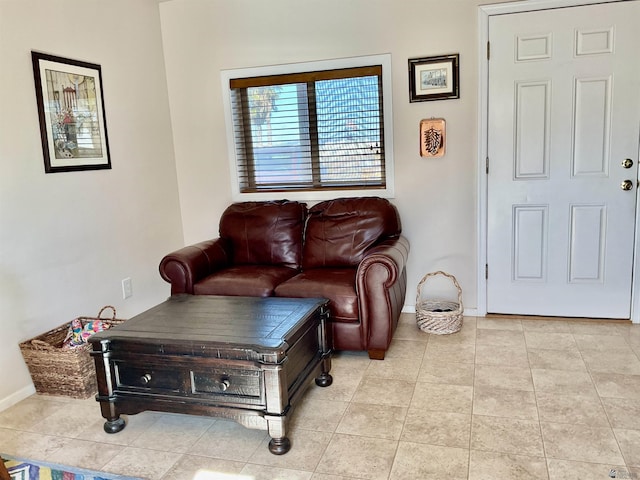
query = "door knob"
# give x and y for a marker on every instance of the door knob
(626, 185)
(627, 163)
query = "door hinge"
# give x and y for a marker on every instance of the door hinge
(487, 165)
(488, 50)
(486, 271)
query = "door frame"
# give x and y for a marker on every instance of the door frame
(484, 12)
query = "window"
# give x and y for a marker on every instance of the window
(305, 129)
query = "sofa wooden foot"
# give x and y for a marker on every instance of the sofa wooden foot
(377, 354)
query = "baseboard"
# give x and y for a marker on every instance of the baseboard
(17, 397)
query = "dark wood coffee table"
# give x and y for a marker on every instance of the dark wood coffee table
(243, 358)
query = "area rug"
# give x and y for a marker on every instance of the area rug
(23, 469)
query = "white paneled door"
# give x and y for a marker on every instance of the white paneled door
(563, 129)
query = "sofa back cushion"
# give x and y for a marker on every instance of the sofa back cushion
(340, 231)
(264, 233)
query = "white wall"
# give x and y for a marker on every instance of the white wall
(68, 239)
(436, 197)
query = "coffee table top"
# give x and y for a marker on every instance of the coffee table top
(206, 320)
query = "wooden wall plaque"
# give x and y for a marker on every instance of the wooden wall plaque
(432, 137)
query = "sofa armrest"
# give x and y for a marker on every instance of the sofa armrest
(185, 267)
(381, 281)
(392, 254)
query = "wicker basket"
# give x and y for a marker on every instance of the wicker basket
(55, 370)
(440, 317)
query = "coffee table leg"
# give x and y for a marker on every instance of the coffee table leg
(277, 428)
(114, 426)
(279, 446)
(324, 333)
(113, 422)
(324, 380)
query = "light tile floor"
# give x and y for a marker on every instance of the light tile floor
(505, 398)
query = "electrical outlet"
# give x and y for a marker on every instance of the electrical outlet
(127, 288)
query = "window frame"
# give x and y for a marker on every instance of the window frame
(313, 195)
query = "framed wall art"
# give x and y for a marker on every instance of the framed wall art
(432, 137)
(434, 78)
(73, 127)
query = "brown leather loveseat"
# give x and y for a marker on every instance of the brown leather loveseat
(349, 250)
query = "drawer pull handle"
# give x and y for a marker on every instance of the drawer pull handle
(224, 384)
(146, 378)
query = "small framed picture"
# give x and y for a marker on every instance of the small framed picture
(434, 78)
(432, 137)
(73, 129)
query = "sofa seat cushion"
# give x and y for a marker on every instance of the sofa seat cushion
(336, 284)
(244, 280)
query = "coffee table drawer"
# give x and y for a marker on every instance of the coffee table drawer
(149, 378)
(226, 384)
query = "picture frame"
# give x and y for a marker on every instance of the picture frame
(434, 78)
(73, 127)
(433, 137)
